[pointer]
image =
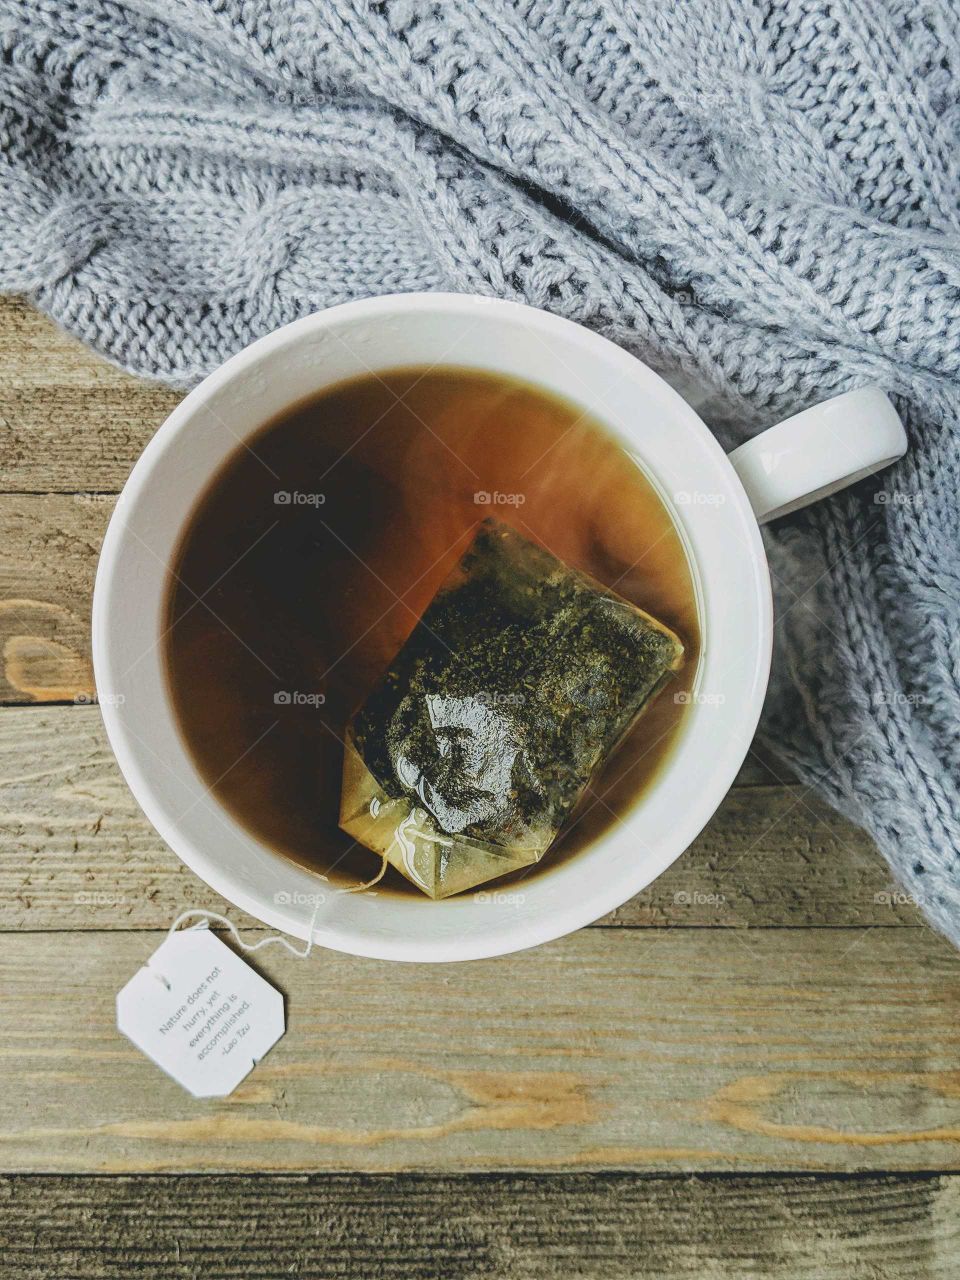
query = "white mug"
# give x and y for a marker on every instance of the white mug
(807, 456)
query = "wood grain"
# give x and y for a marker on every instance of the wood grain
(658, 1050)
(71, 427)
(403, 1227)
(69, 421)
(51, 544)
(700, 1035)
(76, 852)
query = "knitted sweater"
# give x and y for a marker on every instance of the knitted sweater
(761, 198)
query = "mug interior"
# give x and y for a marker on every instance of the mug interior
(651, 421)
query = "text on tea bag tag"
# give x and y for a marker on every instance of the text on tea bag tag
(201, 1013)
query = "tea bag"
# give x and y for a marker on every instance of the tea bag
(518, 681)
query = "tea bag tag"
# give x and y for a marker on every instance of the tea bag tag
(201, 1013)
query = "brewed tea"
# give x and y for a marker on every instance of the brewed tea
(313, 553)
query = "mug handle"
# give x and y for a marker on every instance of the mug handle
(819, 451)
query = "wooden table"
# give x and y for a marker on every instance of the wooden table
(749, 1070)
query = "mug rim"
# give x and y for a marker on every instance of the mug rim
(215, 871)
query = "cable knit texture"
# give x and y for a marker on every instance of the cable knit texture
(760, 199)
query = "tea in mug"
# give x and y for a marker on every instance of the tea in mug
(314, 558)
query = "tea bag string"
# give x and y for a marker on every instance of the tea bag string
(207, 916)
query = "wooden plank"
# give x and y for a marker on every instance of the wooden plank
(69, 421)
(76, 852)
(521, 1227)
(665, 1050)
(51, 544)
